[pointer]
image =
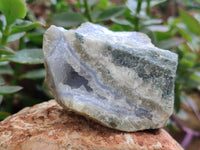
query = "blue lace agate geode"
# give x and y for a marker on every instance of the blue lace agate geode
(116, 78)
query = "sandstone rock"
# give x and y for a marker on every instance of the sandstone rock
(117, 78)
(47, 126)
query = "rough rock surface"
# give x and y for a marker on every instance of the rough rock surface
(117, 78)
(47, 126)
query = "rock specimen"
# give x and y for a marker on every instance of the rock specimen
(47, 126)
(117, 78)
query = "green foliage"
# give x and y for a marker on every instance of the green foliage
(26, 56)
(9, 89)
(68, 19)
(170, 43)
(192, 24)
(111, 13)
(188, 77)
(6, 50)
(12, 9)
(23, 26)
(14, 28)
(15, 37)
(5, 68)
(35, 74)
(3, 115)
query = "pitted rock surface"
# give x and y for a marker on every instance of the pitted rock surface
(119, 79)
(47, 126)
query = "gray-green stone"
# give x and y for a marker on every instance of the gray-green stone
(116, 78)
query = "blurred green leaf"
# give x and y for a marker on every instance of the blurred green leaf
(132, 4)
(198, 1)
(173, 21)
(3, 115)
(156, 2)
(6, 69)
(6, 50)
(92, 2)
(190, 22)
(150, 34)
(26, 56)
(151, 22)
(191, 83)
(15, 37)
(3, 63)
(9, 89)
(24, 25)
(188, 59)
(183, 31)
(160, 36)
(68, 19)
(159, 28)
(111, 12)
(103, 3)
(190, 56)
(122, 21)
(197, 17)
(35, 74)
(196, 76)
(1, 82)
(13, 9)
(95, 14)
(170, 43)
(197, 65)
(36, 37)
(194, 43)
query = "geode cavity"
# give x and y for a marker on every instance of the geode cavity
(116, 78)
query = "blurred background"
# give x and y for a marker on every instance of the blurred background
(171, 24)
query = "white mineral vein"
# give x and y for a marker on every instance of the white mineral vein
(119, 79)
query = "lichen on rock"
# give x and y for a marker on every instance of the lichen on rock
(119, 79)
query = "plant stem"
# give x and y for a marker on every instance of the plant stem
(5, 35)
(189, 132)
(8, 103)
(17, 71)
(137, 19)
(148, 7)
(87, 11)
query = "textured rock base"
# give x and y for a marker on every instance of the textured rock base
(47, 126)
